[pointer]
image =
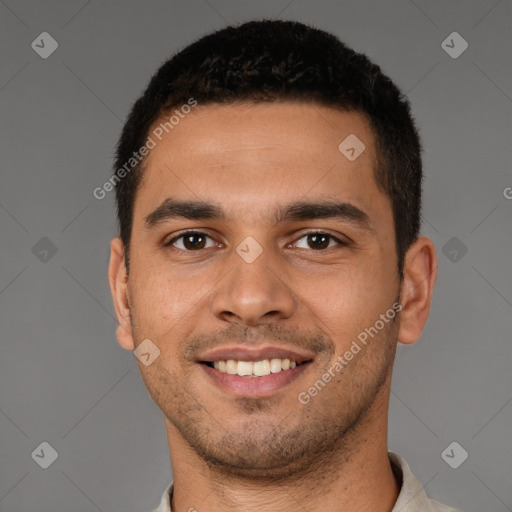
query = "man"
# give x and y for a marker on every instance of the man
(268, 187)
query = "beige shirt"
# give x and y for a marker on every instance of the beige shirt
(412, 497)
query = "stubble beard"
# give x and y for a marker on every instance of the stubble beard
(328, 429)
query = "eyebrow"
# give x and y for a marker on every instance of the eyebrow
(299, 210)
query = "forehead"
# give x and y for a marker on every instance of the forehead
(249, 156)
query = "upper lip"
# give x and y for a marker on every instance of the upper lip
(254, 354)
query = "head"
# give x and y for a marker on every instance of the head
(254, 160)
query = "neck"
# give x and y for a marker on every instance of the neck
(355, 476)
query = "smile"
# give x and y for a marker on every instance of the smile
(253, 378)
(253, 368)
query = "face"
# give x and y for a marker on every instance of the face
(291, 256)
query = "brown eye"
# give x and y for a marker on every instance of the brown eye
(191, 241)
(319, 240)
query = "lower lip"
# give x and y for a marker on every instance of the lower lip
(254, 386)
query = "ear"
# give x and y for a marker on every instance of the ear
(420, 273)
(118, 280)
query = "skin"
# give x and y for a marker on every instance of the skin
(270, 453)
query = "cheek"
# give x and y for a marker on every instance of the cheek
(347, 299)
(160, 300)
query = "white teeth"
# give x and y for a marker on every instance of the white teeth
(231, 366)
(257, 368)
(244, 368)
(275, 365)
(261, 368)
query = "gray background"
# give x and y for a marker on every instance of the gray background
(63, 377)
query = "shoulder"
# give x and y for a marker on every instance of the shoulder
(412, 496)
(165, 502)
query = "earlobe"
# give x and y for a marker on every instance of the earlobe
(118, 281)
(420, 272)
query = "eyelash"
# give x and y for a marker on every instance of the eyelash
(188, 233)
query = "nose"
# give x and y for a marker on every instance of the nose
(254, 292)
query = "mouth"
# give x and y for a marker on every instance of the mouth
(253, 373)
(253, 369)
